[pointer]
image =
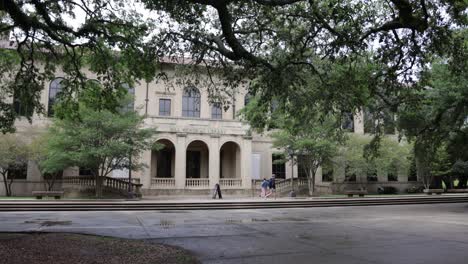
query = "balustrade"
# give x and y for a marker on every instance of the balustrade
(162, 183)
(197, 183)
(230, 183)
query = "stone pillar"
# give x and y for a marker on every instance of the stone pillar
(181, 152)
(402, 174)
(246, 156)
(213, 172)
(318, 176)
(359, 122)
(145, 173)
(382, 175)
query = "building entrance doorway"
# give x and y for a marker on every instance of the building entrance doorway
(197, 163)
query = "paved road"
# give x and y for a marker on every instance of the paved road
(380, 234)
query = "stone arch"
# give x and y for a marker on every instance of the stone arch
(163, 161)
(230, 160)
(197, 159)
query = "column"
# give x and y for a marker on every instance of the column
(246, 156)
(145, 173)
(213, 172)
(181, 152)
(359, 122)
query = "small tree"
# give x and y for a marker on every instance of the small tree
(13, 155)
(98, 139)
(50, 166)
(389, 153)
(315, 140)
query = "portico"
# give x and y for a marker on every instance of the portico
(198, 158)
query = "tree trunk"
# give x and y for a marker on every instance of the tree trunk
(311, 183)
(5, 182)
(422, 166)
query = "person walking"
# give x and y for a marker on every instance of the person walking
(272, 186)
(217, 192)
(264, 188)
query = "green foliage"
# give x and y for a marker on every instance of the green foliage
(99, 139)
(315, 141)
(389, 154)
(13, 155)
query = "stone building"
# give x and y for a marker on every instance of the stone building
(204, 144)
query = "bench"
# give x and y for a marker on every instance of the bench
(457, 190)
(55, 194)
(433, 191)
(350, 193)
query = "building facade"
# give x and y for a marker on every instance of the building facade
(204, 144)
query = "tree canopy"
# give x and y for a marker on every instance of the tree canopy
(101, 139)
(276, 44)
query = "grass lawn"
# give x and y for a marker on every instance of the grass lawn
(45, 248)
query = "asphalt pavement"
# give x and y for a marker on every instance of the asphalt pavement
(435, 233)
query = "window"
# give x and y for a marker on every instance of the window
(164, 107)
(85, 172)
(18, 172)
(191, 102)
(131, 92)
(392, 172)
(389, 123)
(55, 88)
(383, 119)
(350, 176)
(21, 107)
(327, 172)
(216, 111)
(278, 167)
(347, 121)
(247, 99)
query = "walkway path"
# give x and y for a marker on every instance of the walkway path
(436, 233)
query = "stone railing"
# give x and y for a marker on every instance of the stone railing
(109, 184)
(230, 183)
(197, 183)
(162, 183)
(83, 181)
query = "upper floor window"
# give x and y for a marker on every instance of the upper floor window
(21, 104)
(191, 102)
(347, 121)
(247, 98)
(216, 111)
(55, 88)
(131, 91)
(164, 107)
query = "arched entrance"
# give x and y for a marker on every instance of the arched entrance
(230, 160)
(163, 161)
(197, 163)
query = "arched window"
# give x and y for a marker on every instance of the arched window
(247, 98)
(131, 92)
(216, 111)
(55, 88)
(191, 102)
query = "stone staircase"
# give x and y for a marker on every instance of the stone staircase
(110, 186)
